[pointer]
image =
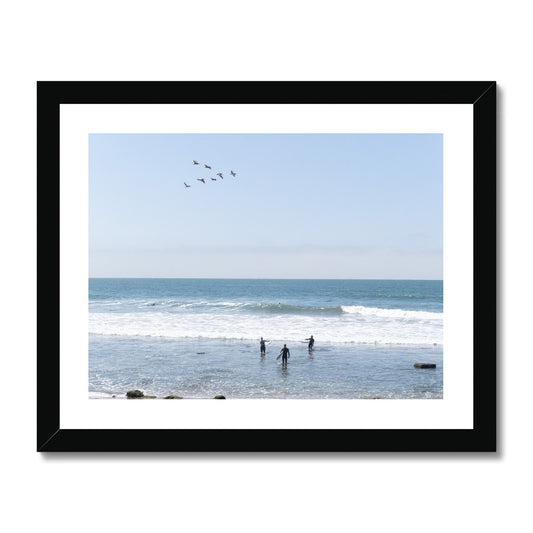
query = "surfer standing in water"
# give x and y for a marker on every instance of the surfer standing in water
(311, 343)
(263, 346)
(285, 354)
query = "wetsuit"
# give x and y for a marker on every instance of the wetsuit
(263, 346)
(310, 345)
(285, 353)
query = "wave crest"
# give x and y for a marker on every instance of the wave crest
(390, 313)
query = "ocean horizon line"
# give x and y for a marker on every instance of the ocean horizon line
(266, 278)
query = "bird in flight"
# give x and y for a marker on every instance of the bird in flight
(213, 179)
(186, 185)
(207, 166)
(201, 179)
(194, 162)
(220, 174)
(233, 173)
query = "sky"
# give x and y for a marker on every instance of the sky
(341, 206)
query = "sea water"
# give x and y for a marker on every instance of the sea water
(198, 338)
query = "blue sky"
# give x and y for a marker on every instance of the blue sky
(301, 206)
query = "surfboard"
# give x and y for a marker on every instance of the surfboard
(279, 356)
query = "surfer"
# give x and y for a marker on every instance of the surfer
(285, 354)
(311, 343)
(263, 346)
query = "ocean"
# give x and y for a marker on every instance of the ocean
(197, 338)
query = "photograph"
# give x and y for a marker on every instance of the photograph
(265, 266)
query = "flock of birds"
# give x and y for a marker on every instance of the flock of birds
(219, 174)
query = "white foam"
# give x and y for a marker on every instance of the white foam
(351, 327)
(390, 313)
(100, 395)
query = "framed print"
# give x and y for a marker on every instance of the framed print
(320, 255)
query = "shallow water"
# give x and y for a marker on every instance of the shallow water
(198, 338)
(203, 368)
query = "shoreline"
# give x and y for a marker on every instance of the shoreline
(247, 340)
(201, 368)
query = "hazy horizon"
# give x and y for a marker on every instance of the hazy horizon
(279, 279)
(301, 206)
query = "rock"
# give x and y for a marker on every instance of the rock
(135, 394)
(173, 397)
(219, 397)
(425, 365)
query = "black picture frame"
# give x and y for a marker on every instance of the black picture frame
(481, 95)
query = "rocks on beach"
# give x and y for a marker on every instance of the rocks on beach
(140, 394)
(135, 394)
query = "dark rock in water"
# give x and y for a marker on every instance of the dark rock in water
(138, 394)
(135, 394)
(219, 397)
(425, 365)
(171, 397)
